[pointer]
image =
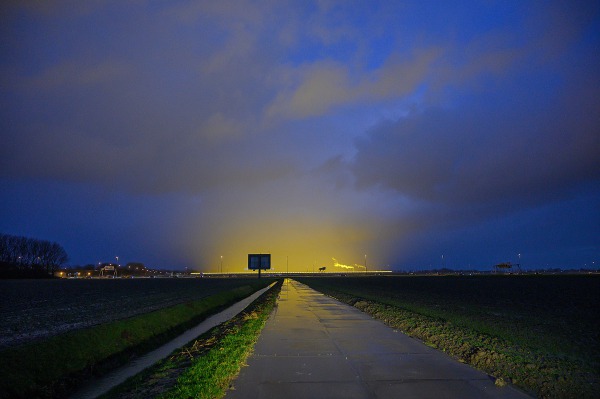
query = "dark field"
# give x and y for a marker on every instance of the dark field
(33, 309)
(546, 326)
(556, 313)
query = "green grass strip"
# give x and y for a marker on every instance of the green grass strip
(209, 376)
(53, 367)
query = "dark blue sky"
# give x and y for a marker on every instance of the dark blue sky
(174, 133)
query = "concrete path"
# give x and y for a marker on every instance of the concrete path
(316, 347)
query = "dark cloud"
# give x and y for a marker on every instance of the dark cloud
(232, 127)
(513, 145)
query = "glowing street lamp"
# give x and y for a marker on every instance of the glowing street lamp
(221, 263)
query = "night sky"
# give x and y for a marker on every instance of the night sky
(174, 132)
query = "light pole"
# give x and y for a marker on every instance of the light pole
(366, 264)
(117, 258)
(221, 263)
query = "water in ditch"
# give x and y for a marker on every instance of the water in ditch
(100, 386)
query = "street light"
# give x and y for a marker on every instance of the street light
(221, 263)
(366, 264)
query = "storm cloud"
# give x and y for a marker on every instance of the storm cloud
(176, 133)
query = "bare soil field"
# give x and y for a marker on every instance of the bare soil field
(36, 309)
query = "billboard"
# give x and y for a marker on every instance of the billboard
(259, 261)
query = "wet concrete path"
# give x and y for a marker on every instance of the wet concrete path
(316, 347)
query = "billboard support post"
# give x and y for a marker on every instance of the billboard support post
(259, 262)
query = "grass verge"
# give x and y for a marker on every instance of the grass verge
(54, 367)
(542, 374)
(205, 367)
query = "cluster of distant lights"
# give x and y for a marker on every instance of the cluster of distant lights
(221, 273)
(271, 271)
(89, 273)
(94, 273)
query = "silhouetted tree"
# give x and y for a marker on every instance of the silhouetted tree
(22, 254)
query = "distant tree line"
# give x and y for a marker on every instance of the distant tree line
(29, 257)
